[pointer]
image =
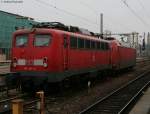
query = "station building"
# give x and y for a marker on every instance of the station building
(9, 22)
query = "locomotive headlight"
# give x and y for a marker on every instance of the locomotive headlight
(45, 62)
(14, 62)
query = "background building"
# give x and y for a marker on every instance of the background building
(8, 23)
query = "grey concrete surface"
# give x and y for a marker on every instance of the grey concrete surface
(143, 105)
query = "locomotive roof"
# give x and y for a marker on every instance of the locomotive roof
(45, 30)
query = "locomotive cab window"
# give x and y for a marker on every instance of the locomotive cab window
(42, 40)
(80, 43)
(87, 44)
(21, 40)
(102, 46)
(106, 46)
(92, 45)
(65, 42)
(73, 42)
(98, 46)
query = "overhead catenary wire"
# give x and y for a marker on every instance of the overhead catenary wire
(134, 13)
(38, 4)
(142, 6)
(89, 7)
(96, 12)
(83, 21)
(66, 12)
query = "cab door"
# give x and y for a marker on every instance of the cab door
(114, 56)
(65, 52)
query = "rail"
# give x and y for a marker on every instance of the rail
(135, 97)
(142, 60)
(31, 106)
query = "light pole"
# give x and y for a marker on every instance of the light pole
(101, 24)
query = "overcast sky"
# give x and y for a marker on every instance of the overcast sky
(118, 16)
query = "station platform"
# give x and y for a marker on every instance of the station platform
(143, 105)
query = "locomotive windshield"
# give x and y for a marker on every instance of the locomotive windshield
(42, 40)
(21, 40)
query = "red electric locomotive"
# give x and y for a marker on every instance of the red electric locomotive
(45, 54)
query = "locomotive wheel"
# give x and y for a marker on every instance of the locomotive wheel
(28, 87)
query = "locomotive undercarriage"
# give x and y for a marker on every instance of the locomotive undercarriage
(35, 81)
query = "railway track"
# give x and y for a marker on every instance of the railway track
(29, 104)
(5, 104)
(143, 61)
(119, 101)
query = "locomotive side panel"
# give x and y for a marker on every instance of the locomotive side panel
(103, 59)
(86, 56)
(88, 61)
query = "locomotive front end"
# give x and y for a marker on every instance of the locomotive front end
(32, 55)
